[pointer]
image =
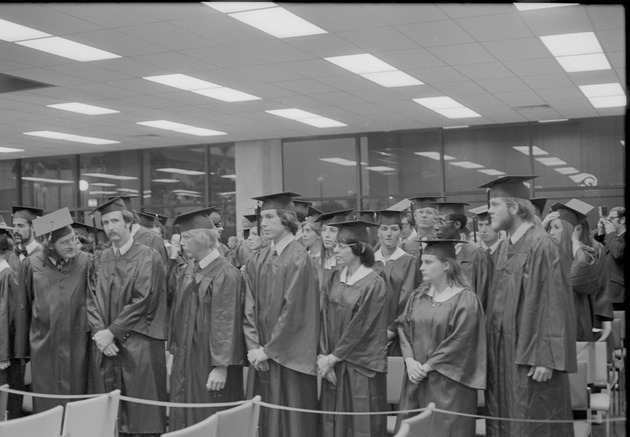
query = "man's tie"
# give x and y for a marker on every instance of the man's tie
(117, 253)
(196, 266)
(274, 254)
(22, 251)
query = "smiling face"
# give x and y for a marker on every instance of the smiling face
(66, 247)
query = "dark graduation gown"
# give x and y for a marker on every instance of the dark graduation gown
(354, 329)
(55, 328)
(477, 267)
(450, 336)
(585, 281)
(130, 300)
(8, 287)
(530, 322)
(206, 330)
(602, 300)
(153, 240)
(282, 315)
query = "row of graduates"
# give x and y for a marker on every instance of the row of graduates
(281, 291)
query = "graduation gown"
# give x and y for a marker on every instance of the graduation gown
(130, 300)
(354, 329)
(530, 322)
(8, 286)
(477, 267)
(585, 281)
(282, 315)
(153, 240)
(54, 331)
(450, 336)
(602, 300)
(206, 330)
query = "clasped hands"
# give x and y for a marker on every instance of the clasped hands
(104, 340)
(258, 358)
(417, 371)
(326, 367)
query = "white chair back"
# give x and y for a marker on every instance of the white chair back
(44, 424)
(94, 417)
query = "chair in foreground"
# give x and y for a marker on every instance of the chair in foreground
(4, 398)
(44, 424)
(403, 431)
(205, 428)
(595, 354)
(94, 417)
(240, 421)
(395, 377)
(581, 398)
(421, 425)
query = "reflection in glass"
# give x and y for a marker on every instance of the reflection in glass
(48, 183)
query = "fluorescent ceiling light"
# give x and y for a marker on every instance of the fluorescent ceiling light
(227, 193)
(292, 113)
(458, 113)
(551, 161)
(10, 150)
(102, 184)
(68, 49)
(229, 7)
(569, 44)
(608, 102)
(455, 127)
(381, 168)
(226, 94)
(181, 171)
(592, 62)
(49, 134)
(110, 176)
(602, 90)
(229, 176)
(491, 172)
(339, 161)
(567, 170)
(553, 121)
(199, 131)
(128, 190)
(392, 79)
(361, 64)
(322, 122)
(434, 155)
(181, 190)
(165, 181)
(104, 193)
(435, 103)
(82, 108)
(533, 6)
(536, 151)
(278, 22)
(182, 81)
(466, 164)
(13, 32)
(46, 180)
(91, 140)
(164, 124)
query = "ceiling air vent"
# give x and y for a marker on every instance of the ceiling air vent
(9, 84)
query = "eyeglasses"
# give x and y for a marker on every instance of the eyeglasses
(69, 243)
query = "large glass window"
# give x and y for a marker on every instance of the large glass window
(8, 193)
(322, 170)
(222, 180)
(48, 183)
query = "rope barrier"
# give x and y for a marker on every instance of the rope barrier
(294, 409)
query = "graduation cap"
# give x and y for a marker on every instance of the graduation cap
(250, 221)
(354, 230)
(282, 201)
(481, 212)
(508, 186)
(389, 217)
(29, 213)
(198, 219)
(420, 202)
(83, 229)
(441, 248)
(445, 208)
(313, 212)
(126, 198)
(334, 217)
(365, 215)
(113, 204)
(301, 208)
(151, 219)
(4, 228)
(573, 212)
(57, 224)
(539, 204)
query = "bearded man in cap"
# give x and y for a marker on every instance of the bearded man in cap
(282, 323)
(127, 319)
(530, 322)
(52, 328)
(206, 329)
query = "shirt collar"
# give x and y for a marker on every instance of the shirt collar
(134, 229)
(361, 273)
(411, 236)
(458, 248)
(206, 260)
(445, 295)
(125, 247)
(282, 244)
(31, 246)
(492, 248)
(378, 255)
(520, 232)
(330, 263)
(4, 265)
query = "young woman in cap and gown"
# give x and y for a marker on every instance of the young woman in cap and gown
(205, 334)
(8, 289)
(52, 328)
(353, 345)
(281, 323)
(397, 268)
(443, 340)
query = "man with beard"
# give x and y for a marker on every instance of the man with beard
(127, 319)
(25, 246)
(475, 262)
(52, 327)
(530, 322)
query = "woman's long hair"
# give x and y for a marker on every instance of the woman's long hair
(454, 275)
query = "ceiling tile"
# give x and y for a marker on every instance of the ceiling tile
(401, 13)
(496, 27)
(526, 48)
(165, 35)
(533, 67)
(436, 34)
(463, 54)
(378, 40)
